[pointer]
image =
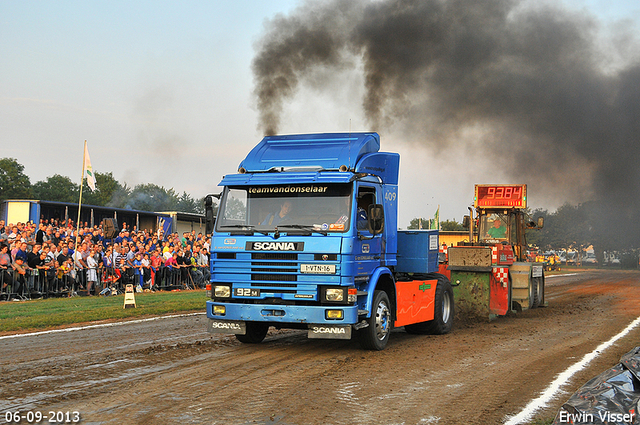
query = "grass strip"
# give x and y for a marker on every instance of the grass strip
(55, 312)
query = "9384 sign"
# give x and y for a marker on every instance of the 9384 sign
(501, 196)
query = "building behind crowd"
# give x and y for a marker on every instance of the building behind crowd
(35, 211)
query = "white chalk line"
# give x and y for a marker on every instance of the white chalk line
(550, 392)
(561, 275)
(101, 325)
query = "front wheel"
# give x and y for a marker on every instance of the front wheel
(256, 332)
(376, 335)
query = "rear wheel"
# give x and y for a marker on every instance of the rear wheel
(256, 332)
(537, 298)
(442, 322)
(376, 335)
(532, 292)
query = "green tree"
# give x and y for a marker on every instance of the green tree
(538, 237)
(56, 188)
(451, 225)
(107, 188)
(444, 225)
(151, 197)
(187, 204)
(609, 227)
(566, 228)
(14, 184)
(415, 223)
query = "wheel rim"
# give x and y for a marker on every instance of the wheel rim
(446, 307)
(382, 320)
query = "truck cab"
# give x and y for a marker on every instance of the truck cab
(306, 238)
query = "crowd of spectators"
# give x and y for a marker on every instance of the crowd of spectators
(58, 259)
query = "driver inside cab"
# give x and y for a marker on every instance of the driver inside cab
(498, 231)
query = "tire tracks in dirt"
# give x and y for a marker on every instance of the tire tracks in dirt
(174, 372)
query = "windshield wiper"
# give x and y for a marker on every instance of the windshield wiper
(238, 226)
(303, 227)
(247, 227)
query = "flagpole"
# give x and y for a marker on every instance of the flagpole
(84, 153)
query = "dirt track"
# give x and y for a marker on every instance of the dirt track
(171, 371)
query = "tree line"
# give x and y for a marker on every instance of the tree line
(15, 184)
(577, 227)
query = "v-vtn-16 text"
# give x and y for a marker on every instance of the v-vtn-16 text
(306, 238)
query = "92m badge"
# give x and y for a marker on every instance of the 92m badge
(246, 292)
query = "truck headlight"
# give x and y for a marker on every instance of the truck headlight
(334, 294)
(222, 291)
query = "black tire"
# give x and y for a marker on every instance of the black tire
(510, 296)
(532, 292)
(256, 332)
(539, 291)
(376, 335)
(442, 322)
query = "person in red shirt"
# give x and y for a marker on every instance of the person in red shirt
(156, 262)
(172, 269)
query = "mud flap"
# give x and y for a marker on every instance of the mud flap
(472, 292)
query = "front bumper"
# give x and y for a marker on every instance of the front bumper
(283, 314)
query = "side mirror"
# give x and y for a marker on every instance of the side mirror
(376, 219)
(209, 218)
(466, 220)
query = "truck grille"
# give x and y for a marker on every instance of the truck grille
(275, 277)
(277, 274)
(274, 256)
(275, 270)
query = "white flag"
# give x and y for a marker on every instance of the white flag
(88, 170)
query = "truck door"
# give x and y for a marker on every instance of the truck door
(368, 247)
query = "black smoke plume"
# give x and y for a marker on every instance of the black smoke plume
(538, 85)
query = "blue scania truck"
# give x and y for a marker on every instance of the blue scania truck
(306, 238)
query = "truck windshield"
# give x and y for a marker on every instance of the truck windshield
(292, 208)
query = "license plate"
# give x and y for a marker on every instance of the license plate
(318, 268)
(246, 292)
(536, 271)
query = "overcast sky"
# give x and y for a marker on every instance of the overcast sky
(162, 92)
